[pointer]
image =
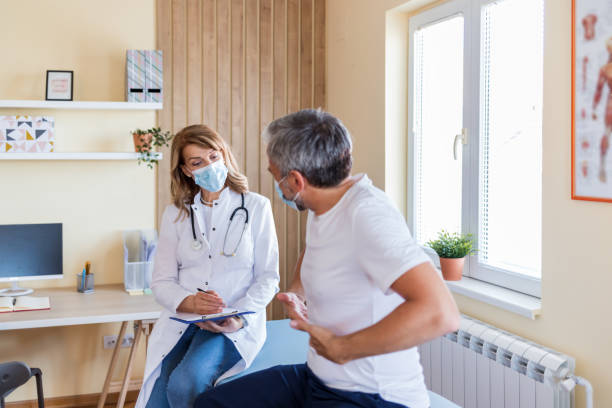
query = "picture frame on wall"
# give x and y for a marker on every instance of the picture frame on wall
(59, 86)
(592, 100)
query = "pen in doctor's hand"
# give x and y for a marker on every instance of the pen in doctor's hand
(209, 298)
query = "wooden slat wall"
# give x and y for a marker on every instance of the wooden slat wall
(236, 65)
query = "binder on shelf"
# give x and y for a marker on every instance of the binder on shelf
(135, 76)
(154, 76)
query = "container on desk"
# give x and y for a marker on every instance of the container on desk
(87, 286)
(137, 275)
(139, 249)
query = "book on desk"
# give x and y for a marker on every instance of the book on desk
(23, 303)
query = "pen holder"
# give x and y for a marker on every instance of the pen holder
(88, 285)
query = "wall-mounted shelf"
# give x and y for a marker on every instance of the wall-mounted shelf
(74, 156)
(91, 105)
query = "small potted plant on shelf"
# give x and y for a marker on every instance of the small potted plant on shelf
(452, 250)
(146, 140)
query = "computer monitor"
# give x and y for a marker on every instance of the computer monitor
(28, 252)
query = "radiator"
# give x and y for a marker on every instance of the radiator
(481, 366)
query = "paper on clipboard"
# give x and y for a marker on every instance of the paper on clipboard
(189, 318)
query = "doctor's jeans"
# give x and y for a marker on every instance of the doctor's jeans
(197, 360)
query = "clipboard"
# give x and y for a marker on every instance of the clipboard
(211, 317)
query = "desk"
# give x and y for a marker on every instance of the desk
(108, 304)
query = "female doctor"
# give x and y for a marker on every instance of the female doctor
(217, 248)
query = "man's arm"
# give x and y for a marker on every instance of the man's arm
(296, 283)
(428, 311)
(293, 300)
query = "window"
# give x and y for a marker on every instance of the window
(476, 133)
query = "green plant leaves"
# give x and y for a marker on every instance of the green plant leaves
(158, 139)
(453, 245)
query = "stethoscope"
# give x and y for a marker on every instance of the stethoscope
(197, 244)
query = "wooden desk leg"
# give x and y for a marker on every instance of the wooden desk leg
(147, 326)
(130, 364)
(111, 367)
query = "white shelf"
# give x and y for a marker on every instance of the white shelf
(91, 105)
(74, 156)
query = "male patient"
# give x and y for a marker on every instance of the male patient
(363, 289)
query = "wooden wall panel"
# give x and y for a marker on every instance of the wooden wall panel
(279, 100)
(224, 65)
(235, 65)
(237, 81)
(306, 80)
(179, 63)
(251, 77)
(292, 219)
(194, 61)
(209, 62)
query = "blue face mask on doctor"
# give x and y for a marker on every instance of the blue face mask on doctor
(211, 177)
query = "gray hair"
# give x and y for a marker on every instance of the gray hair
(312, 142)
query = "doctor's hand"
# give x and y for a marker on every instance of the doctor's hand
(209, 302)
(294, 306)
(229, 325)
(325, 343)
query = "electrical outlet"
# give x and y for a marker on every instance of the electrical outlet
(110, 341)
(128, 340)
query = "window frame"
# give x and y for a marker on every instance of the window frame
(471, 11)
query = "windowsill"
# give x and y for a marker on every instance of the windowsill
(503, 298)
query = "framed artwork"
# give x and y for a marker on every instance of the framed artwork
(59, 86)
(27, 134)
(592, 100)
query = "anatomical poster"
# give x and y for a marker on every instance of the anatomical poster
(592, 100)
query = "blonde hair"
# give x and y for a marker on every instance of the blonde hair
(182, 187)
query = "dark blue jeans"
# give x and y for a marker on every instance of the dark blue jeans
(293, 386)
(197, 360)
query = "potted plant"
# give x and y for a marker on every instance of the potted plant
(452, 250)
(146, 140)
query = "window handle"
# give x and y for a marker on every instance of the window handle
(463, 138)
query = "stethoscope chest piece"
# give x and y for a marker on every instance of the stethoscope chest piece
(196, 245)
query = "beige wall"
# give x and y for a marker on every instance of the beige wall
(95, 201)
(576, 270)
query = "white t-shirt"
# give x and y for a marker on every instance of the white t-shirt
(354, 253)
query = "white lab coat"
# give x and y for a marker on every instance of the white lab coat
(247, 281)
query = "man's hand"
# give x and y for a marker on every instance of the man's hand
(325, 343)
(294, 306)
(207, 303)
(229, 325)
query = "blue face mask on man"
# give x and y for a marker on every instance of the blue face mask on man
(291, 203)
(212, 177)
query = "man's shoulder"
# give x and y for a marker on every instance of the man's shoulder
(368, 198)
